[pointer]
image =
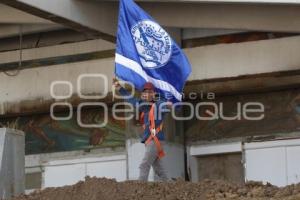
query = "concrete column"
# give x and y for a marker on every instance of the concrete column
(12, 163)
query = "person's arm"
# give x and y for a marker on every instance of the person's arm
(134, 101)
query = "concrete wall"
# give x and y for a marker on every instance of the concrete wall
(227, 167)
(279, 115)
(35, 83)
(213, 153)
(217, 61)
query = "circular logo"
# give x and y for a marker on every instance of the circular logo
(153, 43)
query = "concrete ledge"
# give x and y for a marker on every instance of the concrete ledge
(200, 150)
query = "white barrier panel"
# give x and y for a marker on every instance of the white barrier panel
(276, 162)
(68, 172)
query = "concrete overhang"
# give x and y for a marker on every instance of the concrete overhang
(99, 17)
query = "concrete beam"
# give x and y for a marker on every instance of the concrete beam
(97, 17)
(245, 84)
(86, 16)
(54, 51)
(252, 17)
(248, 58)
(191, 33)
(9, 15)
(219, 1)
(11, 30)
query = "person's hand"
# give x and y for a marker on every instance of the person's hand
(169, 104)
(116, 83)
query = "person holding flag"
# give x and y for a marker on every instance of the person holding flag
(149, 58)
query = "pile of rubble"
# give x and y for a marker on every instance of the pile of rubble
(109, 189)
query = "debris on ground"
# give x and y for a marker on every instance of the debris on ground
(109, 189)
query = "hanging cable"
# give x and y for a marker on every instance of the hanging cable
(17, 70)
(21, 46)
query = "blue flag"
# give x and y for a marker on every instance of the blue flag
(145, 52)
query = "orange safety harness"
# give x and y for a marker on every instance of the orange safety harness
(153, 132)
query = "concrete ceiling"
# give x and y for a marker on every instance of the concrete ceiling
(12, 20)
(9, 15)
(99, 17)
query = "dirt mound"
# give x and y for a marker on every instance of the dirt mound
(109, 189)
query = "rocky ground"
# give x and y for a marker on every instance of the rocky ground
(108, 189)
